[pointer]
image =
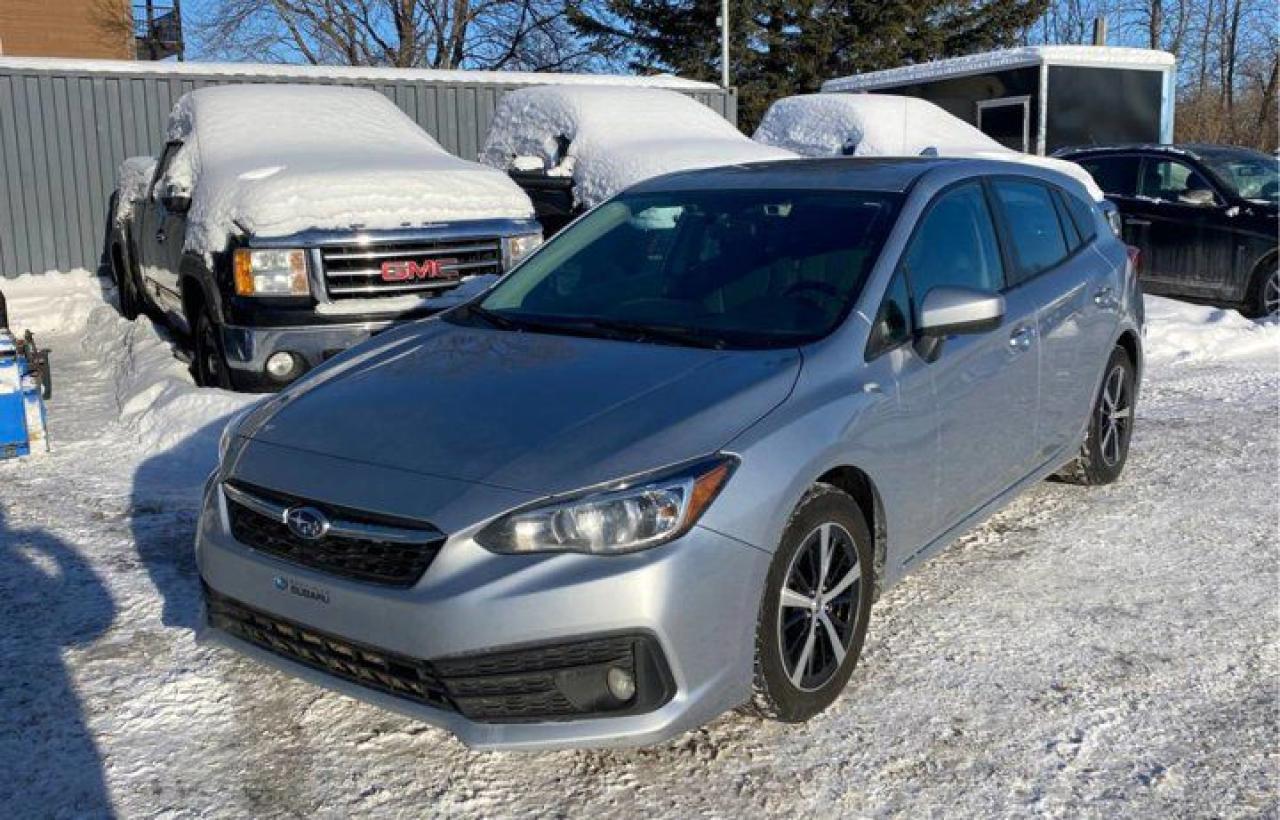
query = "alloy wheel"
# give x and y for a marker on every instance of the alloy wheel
(1271, 294)
(1115, 415)
(819, 607)
(210, 360)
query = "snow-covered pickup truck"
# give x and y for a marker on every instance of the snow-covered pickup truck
(282, 224)
(573, 147)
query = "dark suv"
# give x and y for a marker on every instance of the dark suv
(1203, 216)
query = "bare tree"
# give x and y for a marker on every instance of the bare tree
(480, 34)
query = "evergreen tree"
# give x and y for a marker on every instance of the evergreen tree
(781, 47)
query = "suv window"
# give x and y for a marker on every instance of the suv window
(1064, 219)
(1034, 230)
(1117, 176)
(955, 245)
(1167, 180)
(893, 321)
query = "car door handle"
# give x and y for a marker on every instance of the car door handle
(161, 236)
(1022, 338)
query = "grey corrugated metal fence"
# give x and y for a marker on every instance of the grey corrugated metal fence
(65, 129)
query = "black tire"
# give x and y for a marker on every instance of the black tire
(1106, 443)
(1263, 300)
(210, 365)
(126, 286)
(784, 689)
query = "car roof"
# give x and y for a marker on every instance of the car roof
(1193, 149)
(887, 174)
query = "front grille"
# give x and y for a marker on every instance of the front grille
(540, 683)
(407, 268)
(383, 562)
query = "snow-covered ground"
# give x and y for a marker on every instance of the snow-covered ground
(1089, 652)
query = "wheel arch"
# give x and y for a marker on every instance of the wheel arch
(857, 484)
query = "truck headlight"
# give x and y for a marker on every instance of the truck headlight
(518, 247)
(622, 517)
(271, 272)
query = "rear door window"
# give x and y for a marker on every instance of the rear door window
(1169, 180)
(1082, 214)
(1116, 176)
(955, 245)
(1035, 233)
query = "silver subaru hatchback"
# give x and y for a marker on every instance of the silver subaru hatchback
(664, 467)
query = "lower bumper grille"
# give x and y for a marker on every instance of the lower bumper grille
(538, 683)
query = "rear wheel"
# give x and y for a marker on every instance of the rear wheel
(210, 362)
(1264, 296)
(1106, 444)
(126, 286)
(817, 601)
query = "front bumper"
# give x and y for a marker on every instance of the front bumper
(696, 599)
(248, 348)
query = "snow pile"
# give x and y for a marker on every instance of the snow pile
(132, 179)
(888, 125)
(51, 303)
(1104, 56)
(1183, 332)
(273, 160)
(616, 137)
(154, 395)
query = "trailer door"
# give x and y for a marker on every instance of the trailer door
(1007, 120)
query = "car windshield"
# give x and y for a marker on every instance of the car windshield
(732, 269)
(1250, 174)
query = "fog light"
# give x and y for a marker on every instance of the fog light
(621, 684)
(282, 365)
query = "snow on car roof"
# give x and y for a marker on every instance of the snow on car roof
(888, 125)
(1101, 56)
(343, 73)
(615, 136)
(276, 159)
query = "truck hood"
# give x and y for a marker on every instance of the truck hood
(529, 412)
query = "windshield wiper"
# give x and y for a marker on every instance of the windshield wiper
(644, 331)
(497, 320)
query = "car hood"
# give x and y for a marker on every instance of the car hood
(524, 411)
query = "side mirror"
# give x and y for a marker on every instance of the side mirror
(947, 311)
(176, 203)
(1200, 197)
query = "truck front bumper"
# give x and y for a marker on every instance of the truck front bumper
(248, 348)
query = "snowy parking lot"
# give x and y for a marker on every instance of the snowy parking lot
(1108, 651)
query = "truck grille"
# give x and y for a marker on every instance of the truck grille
(509, 686)
(371, 559)
(406, 268)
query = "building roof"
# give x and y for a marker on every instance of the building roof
(303, 72)
(1098, 56)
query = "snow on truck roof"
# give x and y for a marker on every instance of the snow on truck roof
(276, 159)
(615, 136)
(889, 125)
(1096, 56)
(457, 76)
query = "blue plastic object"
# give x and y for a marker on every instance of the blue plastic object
(14, 440)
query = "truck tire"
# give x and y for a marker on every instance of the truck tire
(126, 286)
(210, 361)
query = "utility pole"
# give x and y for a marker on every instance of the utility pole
(724, 43)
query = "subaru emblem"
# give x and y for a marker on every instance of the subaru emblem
(279, 583)
(307, 523)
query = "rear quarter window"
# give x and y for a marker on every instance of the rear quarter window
(1083, 215)
(1116, 176)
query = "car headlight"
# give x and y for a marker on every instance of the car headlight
(518, 247)
(622, 517)
(271, 272)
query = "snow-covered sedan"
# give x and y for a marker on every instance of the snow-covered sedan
(573, 147)
(282, 224)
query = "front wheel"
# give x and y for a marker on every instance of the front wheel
(817, 601)
(1106, 443)
(1264, 299)
(210, 362)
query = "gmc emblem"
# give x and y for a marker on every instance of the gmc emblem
(400, 270)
